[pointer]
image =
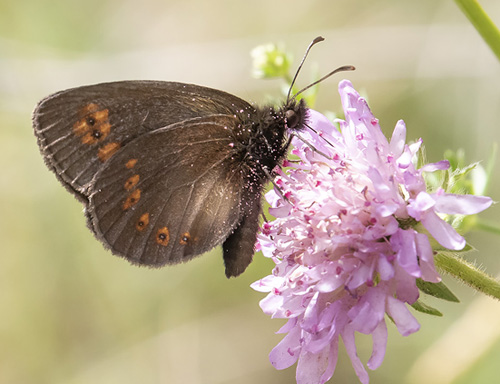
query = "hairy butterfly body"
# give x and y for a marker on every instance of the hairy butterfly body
(166, 170)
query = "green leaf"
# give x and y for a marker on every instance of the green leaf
(424, 308)
(438, 290)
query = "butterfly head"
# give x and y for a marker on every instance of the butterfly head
(295, 112)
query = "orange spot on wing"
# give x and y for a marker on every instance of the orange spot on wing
(101, 115)
(108, 150)
(163, 236)
(185, 238)
(132, 199)
(131, 182)
(80, 127)
(142, 222)
(88, 109)
(131, 163)
(93, 125)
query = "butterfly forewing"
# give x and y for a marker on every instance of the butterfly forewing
(80, 129)
(170, 194)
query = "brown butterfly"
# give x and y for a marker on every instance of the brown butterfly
(166, 170)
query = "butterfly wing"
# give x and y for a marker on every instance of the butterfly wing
(171, 194)
(80, 129)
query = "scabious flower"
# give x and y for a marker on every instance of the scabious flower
(345, 240)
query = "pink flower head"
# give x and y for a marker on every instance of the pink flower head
(344, 241)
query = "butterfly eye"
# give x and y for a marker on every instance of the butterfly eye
(291, 118)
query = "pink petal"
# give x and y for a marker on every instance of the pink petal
(312, 366)
(289, 325)
(286, 353)
(461, 204)
(332, 362)
(328, 315)
(369, 311)
(272, 197)
(405, 159)
(350, 346)
(442, 231)
(439, 166)
(267, 283)
(321, 123)
(404, 320)
(414, 147)
(281, 211)
(380, 185)
(398, 138)
(406, 287)
(420, 204)
(330, 281)
(404, 242)
(387, 209)
(311, 315)
(426, 256)
(379, 335)
(385, 268)
(271, 303)
(267, 247)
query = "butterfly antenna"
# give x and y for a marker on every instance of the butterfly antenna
(340, 69)
(316, 40)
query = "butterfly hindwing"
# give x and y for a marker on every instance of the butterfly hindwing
(79, 129)
(170, 194)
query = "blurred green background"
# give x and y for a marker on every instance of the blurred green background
(73, 313)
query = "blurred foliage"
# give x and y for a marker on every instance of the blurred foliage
(271, 60)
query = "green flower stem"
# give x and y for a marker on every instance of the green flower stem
(468, 274)
(487, 226)
(482, 23)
